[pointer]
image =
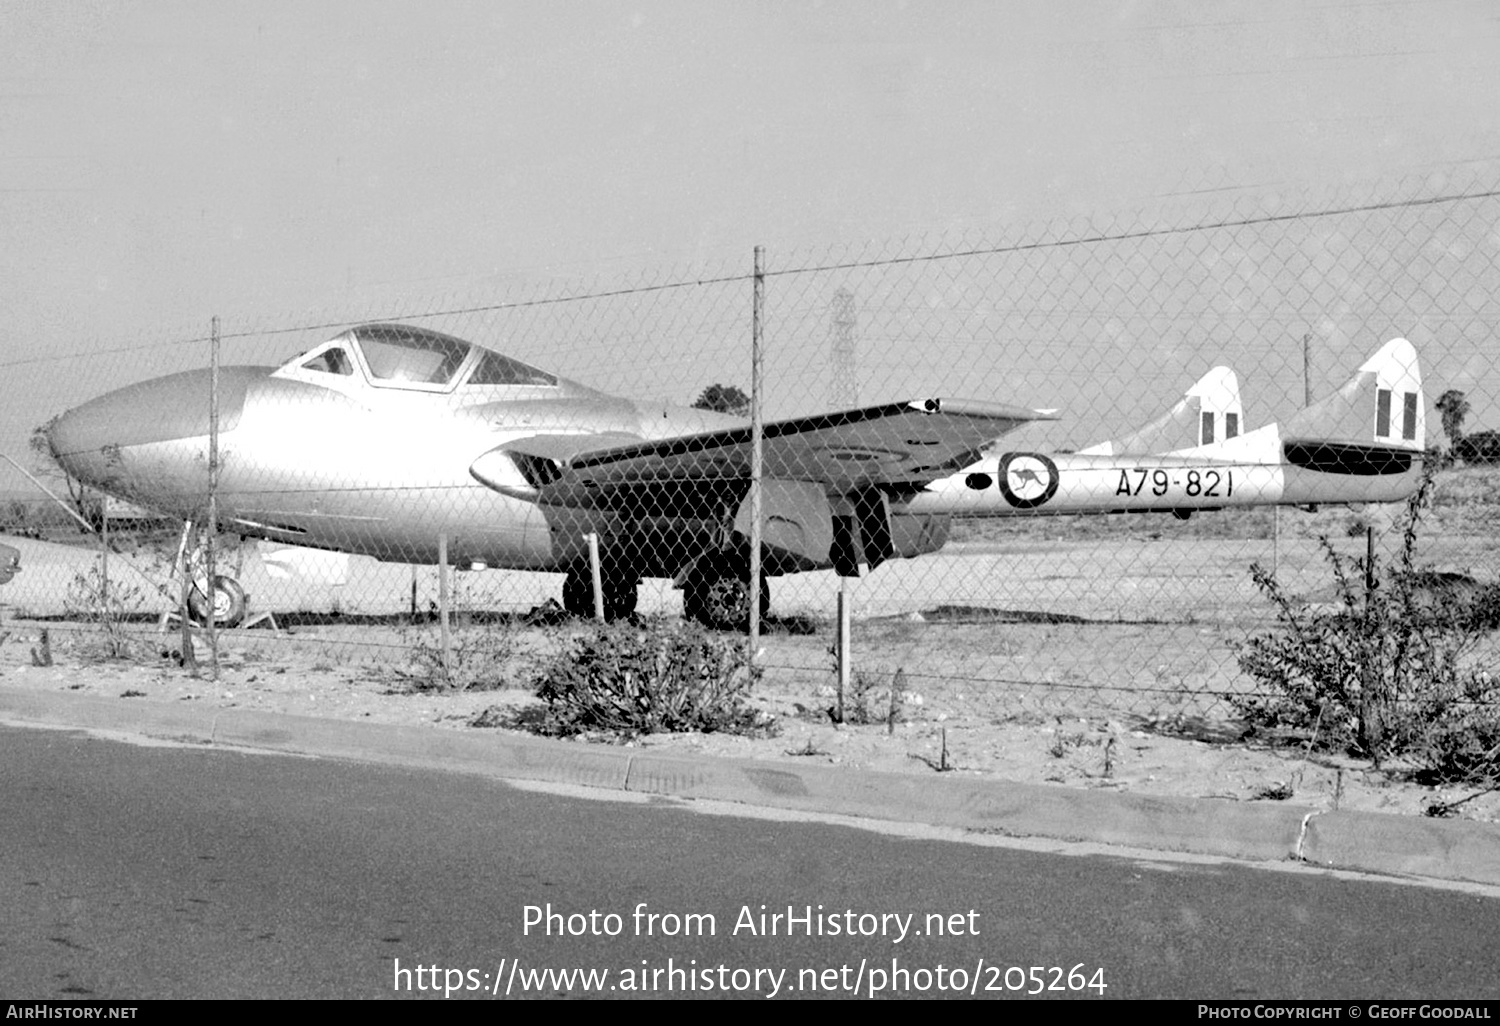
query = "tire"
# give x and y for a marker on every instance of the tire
(718, 595)
(578, 594)
(619, 595)
(230, 603)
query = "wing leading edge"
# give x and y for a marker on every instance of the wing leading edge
(903, 444)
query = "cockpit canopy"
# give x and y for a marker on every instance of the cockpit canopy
(404, 356)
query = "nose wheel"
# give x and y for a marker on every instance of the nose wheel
(225, 603)
(227, 606)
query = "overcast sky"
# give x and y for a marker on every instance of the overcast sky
(162, 162)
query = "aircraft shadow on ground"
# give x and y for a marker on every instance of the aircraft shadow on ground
(541, 616)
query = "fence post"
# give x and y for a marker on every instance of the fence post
(211, 570)
(443, 638)
(596, 575)
(757, 421)
(104, 548)
(184, 611)
(843, 654)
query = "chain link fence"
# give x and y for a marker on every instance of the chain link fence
(469, 430)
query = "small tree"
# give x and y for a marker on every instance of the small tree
(724, 399)
(1396, 668)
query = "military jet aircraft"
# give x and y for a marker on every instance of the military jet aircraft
(389, 436)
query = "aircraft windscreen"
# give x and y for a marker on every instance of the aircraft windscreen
(330, 361)
(399, 353)
(495, 369)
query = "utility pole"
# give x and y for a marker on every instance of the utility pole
(1306, 369)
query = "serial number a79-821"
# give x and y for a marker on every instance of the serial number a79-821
(1194, 484)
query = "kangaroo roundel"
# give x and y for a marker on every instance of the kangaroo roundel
(1027, 479)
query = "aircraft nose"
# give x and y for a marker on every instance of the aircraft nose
(159, 410)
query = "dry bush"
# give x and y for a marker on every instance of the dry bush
(1389, 670)
(625, 679)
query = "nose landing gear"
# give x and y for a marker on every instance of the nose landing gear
(228, 606)
(228, 603)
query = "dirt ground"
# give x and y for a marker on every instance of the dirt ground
(942, 724)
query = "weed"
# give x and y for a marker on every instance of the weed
(624, 680)
(1278, 792)
(480, 658)
(105, 607)
(876, 698)
(942, 763)
(1386, 672)
(1064, 742)
(42, 656)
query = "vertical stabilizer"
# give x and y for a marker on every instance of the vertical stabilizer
(1209, 412)
(1382, 405)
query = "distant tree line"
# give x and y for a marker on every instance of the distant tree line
(1481, 447)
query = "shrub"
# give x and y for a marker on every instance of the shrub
(1388, 670)
(105, 606)
(481, 658)
(626, 679)
(1482, 447)
(873, 696)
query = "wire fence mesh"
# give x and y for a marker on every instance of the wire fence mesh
(500, 431)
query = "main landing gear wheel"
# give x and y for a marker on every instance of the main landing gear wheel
(619, 594)
(229, 602)
(718, 594)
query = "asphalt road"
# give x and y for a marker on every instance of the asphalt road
(165, 872)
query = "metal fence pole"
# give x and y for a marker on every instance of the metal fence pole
(211, 594)
(104, 549)
(756, 455)
(843, 654)
(444, 640)
(596, 575)
(184, 611)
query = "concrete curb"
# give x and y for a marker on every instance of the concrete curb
(1451, 850)
(1448, 849)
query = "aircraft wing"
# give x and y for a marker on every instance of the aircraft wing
(894, 445)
